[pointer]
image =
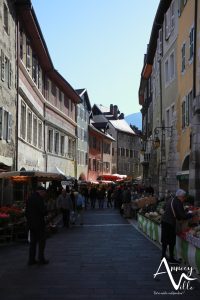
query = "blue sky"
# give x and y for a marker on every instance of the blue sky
(99, 45)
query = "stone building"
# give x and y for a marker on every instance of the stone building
(83, 115)
(126, 149)
(8, 83)
(100, 145)
(46, 103)
(174, 44)
(8, 93)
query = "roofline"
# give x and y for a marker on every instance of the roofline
(90, 126)
(26, 10)
(147, 67)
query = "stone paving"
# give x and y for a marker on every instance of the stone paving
(105, 259)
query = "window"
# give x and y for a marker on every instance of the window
(89, 164)
(166, 71)
(81, 113)
(167, 24)
(191, 47)
(183, 114)
(39, 77)
(5, 124)
(187, 109)
(21, 44)
(183, 58)
(6, 69)
(5, 17)
(94, 165)
(172, 17)
(62, 145)
(131, 153)
(50, 141)
(56, 143)
(70, 152)
(66, 102)
(2, 66)
(23, 121)
(168, 122)
(127, 152)
(72, 106)
(29, 127)
(35, 69)
(172, 112)
(35, 125)
(113, 151)
(40, 134)
(160, 42)
(53, 89)
(28, 54)
(86, 159)
(172, 66)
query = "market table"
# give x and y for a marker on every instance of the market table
(184, 250)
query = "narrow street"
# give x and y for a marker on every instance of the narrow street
(106, 258)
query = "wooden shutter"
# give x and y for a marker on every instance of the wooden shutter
(1, 123)
(2, 66)
(9, 74)
(9, 132)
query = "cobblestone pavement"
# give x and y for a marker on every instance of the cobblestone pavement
(105, 259)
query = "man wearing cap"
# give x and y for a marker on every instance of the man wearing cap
(35, 214)
(174, 211)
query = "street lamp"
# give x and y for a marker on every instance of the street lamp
(156, 133)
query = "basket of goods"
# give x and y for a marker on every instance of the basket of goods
(14, 213)
(4, 219)
(193, 236)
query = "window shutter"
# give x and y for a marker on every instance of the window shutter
(2, 66)
(1, 123)
(172, 10)
(9, 132)
(183, 114)
(9, 75)
(160, 42)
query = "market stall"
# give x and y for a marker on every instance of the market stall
(187, 240)
(22, 183)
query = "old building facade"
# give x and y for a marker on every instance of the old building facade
(8, 85)
(175, 111)
(83, 115)
(100, 156)
(46, 104)
(126, 149)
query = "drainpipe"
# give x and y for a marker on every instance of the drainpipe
(44, 134)
(17, 100)
(161, 116)
(195, 46)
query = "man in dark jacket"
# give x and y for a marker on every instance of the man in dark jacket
(35, 214)
(174, 211)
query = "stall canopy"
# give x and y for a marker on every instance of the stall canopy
(25, 176)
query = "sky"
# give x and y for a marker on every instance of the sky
(99, 45)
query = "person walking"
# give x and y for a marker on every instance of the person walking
(64, 203)
(93, 196)
(35, 213)
(109, 194)
(80, 205)
(101, 196)
(174, 212)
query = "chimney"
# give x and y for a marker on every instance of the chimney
(121, 116)
(115, 111)
(111, 109)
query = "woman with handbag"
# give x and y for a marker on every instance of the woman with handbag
(174, 212)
